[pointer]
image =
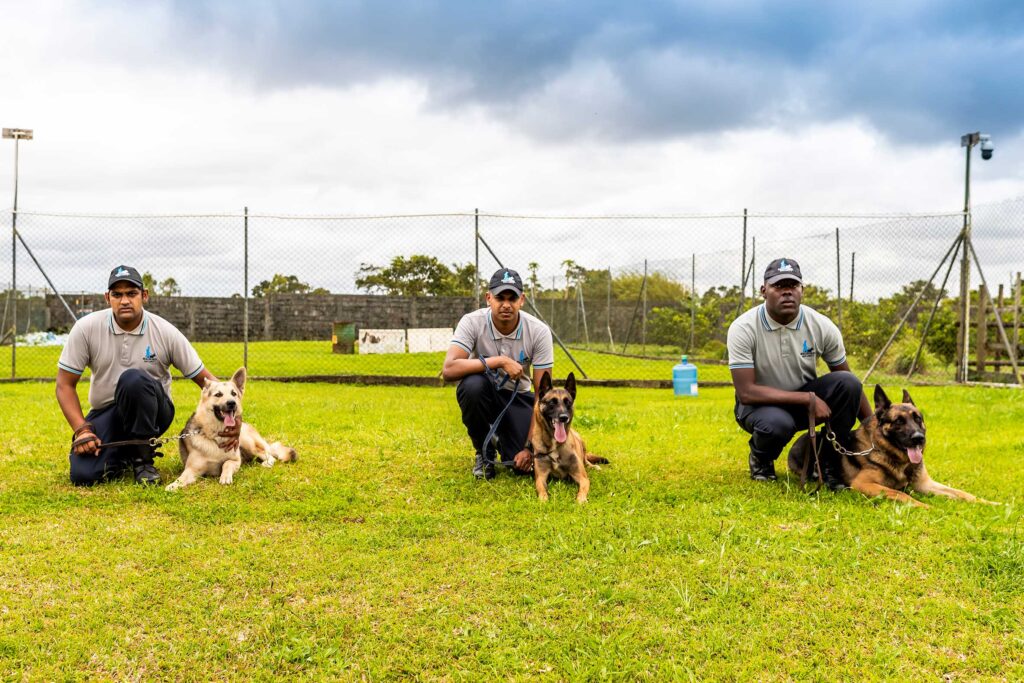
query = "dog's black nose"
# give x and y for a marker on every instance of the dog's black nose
(230, 406)
(563, 417)
(917, 438)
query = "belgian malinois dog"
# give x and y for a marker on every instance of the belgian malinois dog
(220, 405)
(894, 439)
(558, 449)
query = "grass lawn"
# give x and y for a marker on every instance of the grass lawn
(377, 556)
(279, 359)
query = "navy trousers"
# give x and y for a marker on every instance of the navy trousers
(481, 402)
(141, 410)
(771, 427)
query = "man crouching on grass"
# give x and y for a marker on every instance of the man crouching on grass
(128, 350)
(492, 350)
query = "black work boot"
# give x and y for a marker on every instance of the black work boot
(482, 469)
(142, 467)
(832, 470)
(761, 469)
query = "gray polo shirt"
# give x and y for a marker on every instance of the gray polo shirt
(529, 344)
(784, 356)
(96, 342)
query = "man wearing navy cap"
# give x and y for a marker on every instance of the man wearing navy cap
(773, 354)
(491, 355)
(128, 350)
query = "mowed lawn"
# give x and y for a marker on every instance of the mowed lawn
(377, 556)
(291, 358)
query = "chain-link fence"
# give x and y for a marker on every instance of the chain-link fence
(370, 295)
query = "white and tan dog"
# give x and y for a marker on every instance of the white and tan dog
(220, 406)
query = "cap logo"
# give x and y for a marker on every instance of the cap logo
(785, 267)
(507, 279)
(121, 271)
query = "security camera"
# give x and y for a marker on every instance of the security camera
(986, 146)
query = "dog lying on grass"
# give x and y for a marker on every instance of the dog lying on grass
(220, 405)
(557, 449)
(894, 441)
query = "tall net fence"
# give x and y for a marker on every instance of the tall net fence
(378, 295)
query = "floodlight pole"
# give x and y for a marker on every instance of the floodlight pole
(967, 141)
(17, 134)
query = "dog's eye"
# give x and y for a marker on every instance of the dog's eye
(219, 394)
(899, 420)
(233, 393)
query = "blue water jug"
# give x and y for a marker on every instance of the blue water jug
(684, 378)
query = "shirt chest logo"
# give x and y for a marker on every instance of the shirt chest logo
(807, 351)
(149, 356)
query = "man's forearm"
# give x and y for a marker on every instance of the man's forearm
(67, 399)
(759, 394)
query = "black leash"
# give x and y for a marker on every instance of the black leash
(498, 380)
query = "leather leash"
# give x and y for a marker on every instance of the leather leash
(812, 446)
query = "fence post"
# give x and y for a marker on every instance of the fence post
(693, 299)
(753, 269)
(982, 332)
(1016, 311)
(743, 263)
(476, 257)
(643, 324)
(853, 266)
(245, 294)
(839, 284)
(611, 341)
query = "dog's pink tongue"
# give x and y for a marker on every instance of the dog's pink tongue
(560, 434)
(229, 419)
(916, 454)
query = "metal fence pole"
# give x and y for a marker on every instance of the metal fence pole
(611, 341)
(839, 285)
(743, 264)
(245, 297)
(476, 257)
(853, 267)
(643, 323)
(693, 300)
(965, 277)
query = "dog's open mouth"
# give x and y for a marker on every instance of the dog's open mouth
(561, 434)
(228, 418)
(916, 454)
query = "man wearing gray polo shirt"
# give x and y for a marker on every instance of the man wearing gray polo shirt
(491, 355)
(773, 354)
(128, 350)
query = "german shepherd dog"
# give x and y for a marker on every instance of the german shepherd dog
(558, 449)
(895, 439)
(220, 406)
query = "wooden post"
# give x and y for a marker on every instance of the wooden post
(1016, 314)
(981, 340)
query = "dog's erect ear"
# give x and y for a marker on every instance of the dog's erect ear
(239, 379)
(906, 397)
(206, 383)
(570, 385)
(882, 401)
(545, 384)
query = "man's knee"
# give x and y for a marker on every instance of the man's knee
(133, 382)
(847, 383)
(84, 471)
(472, 388)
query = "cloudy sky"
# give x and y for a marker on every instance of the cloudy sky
(553, 107)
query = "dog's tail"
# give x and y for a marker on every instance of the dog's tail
(282, 453)
(596, 459)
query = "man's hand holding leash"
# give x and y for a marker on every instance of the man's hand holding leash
(84, 441)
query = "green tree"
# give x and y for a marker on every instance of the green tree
(285, 284)
(169, 287)
(418, 275)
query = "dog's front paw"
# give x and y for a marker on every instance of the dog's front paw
(269, 462)
(173, 486)
(227, 477)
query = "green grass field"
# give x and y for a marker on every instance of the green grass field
(287, 359)
(377, 556)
